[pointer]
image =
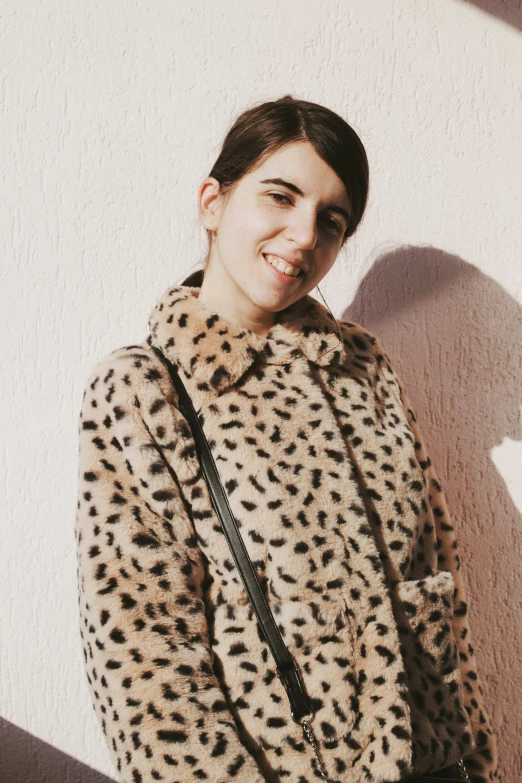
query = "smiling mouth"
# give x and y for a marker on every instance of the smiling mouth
(283, 266)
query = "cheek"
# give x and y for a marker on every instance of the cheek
(267, 220)
(253, 230)
(319, 272)
(310, 283)
(236, 236)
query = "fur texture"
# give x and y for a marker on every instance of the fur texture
(346, 524)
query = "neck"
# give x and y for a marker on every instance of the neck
(222, 295)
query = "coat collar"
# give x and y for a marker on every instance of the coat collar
(217, 351)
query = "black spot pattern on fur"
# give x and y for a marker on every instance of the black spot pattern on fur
(347, 527)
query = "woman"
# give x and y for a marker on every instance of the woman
(328, 476)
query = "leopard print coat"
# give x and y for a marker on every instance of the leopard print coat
(346, 524)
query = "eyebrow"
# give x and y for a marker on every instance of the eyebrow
(295, 189)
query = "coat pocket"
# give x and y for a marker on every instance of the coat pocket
(318, 636)
(424, 612)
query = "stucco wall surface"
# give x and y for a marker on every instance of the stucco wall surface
(112, 114)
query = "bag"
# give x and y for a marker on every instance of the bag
(286, 668)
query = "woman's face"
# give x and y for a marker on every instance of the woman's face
(263, 217)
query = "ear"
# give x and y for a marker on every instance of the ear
(209, 203)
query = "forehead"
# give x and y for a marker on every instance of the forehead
(300, 164)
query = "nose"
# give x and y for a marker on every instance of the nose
(303, 229)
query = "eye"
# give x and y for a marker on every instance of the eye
(280, 195)
(334, 224)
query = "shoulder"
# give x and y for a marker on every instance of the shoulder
(129, 394)
(130, 377)
(128, 363)
(132, 367)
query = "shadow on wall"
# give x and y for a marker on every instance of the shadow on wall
(454, 336)
(509, 11)
(26, 759)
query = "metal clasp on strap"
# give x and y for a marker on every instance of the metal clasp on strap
(304, 722)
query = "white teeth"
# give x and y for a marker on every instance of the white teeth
(293, 271)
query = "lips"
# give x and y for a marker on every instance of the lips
(284, 279)
(295, 264)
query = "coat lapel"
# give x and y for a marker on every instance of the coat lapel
(217, 351)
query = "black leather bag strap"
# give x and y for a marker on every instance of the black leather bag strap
(286, 668)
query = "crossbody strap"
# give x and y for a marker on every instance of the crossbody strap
(286, 668)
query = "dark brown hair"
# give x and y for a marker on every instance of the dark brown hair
(263, 129)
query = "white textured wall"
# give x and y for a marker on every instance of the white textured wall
(115, 111)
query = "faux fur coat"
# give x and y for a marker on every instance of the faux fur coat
(346, 524)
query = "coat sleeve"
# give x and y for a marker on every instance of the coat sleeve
(144, 632)
(482, 763)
